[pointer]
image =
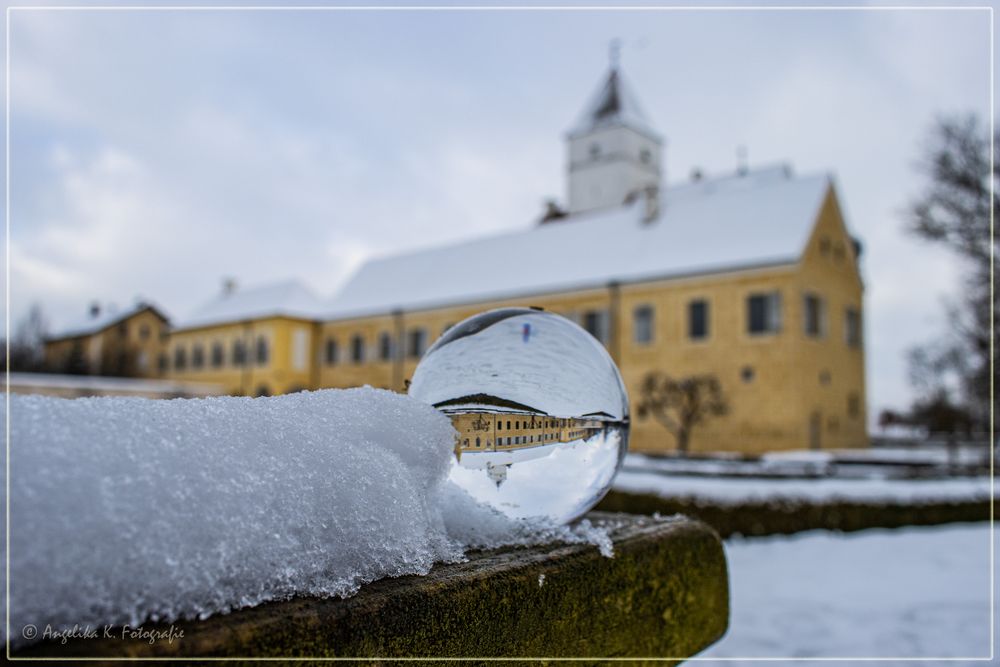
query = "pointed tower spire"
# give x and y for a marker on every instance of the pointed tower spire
(613, 149)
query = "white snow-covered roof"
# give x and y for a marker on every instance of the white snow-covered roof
(613, 103)
(762, 218)
(104, 319)
(289, 299)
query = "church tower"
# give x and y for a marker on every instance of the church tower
(613, 151)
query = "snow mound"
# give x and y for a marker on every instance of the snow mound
(127, 509)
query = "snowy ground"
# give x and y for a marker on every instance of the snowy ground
(737, 490)
(874, 462)
(916, 592)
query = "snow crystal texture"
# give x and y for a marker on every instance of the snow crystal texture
(127, 509)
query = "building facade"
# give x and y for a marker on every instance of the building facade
(752, 279)
(127, 343)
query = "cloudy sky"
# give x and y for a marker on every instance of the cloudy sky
(152, 153)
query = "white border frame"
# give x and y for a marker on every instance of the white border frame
(488, 8)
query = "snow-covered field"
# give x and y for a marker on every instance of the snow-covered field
(737, 490)
(916, 592)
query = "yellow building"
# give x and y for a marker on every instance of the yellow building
(752, 278)
(109, 342)
(482, 431)
(254, 342)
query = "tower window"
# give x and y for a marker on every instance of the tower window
(852, 327)
(814, 315)
(853, 406)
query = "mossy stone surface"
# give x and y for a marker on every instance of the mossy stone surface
(665, 593)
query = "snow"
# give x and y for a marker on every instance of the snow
(776, 211)
(915, 592)
(128, 509)
(290, 299)
(92, 384)
(736, 490)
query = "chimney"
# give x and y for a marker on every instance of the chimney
(228, 286)
(552, 212)
(95, 310)
(742, 161)
(651, 196)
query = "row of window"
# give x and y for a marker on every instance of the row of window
(239, 355)
(763, 315)
(516, 440)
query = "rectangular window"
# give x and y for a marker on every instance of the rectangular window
(262, 351)
(164, 362)
(853, 406)
(698, 319)
(813, 315)
(239, 353)
(180, 359)
(384, 346)
(642, 325)
(331, 351)
(596, 324)
(217, 355)
(416, 341)
(197, 357)
(357, 349)
(852, 327)
(764, 313)
(300, 349)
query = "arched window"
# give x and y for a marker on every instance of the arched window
(217, 354)
(239, 352)
(197, 356)
(331, 351)
(357, 349)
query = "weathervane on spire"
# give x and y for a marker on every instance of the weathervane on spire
(614, 52)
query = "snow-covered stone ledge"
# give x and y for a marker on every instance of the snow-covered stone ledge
(664, 593)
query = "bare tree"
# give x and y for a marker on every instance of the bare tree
(681, 404)
(954, 211)
(27, 347)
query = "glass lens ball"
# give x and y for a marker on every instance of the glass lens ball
(540, 410)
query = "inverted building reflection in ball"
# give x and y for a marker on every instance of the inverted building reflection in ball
(539, 406)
